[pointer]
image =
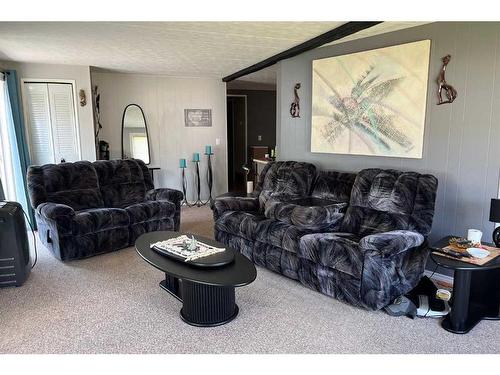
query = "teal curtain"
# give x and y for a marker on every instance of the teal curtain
(19, 133)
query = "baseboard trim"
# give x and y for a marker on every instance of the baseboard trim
(440, 277)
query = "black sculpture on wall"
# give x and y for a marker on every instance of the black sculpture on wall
(295, 106)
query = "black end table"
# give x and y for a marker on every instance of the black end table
(207, 294)
(476, 291)
(152, 172)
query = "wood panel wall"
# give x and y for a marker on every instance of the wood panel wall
(461, 140)
(163, 100)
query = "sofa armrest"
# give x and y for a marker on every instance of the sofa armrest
(172, 195)
(55, 211)
(307, 213)
(391, 243)
(231, 203)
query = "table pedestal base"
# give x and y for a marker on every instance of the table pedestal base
(202, 305)
(476, 296)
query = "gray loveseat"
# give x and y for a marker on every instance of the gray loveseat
(358, 237)
(84, 209)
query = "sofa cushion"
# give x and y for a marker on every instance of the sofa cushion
(339, 251)
(287, 179)
(121, 182)
(237, 243)
(331, 282)
(98, 219)
(386, 200)
(72, 184)
(276, 259)
(146, 173)
(279, 234)
(234, 202)
(139, 228)
(308, 213)
(334, 186)
(150, 210)
(239, 223)
(90, 244)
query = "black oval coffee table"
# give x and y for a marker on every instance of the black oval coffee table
(207, 294)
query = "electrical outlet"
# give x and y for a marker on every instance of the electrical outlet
(259, 138)
(217, 141)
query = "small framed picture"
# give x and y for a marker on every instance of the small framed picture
(198, 117)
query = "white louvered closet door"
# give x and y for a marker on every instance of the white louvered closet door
(39, 126)
(51, 122)
(62, 114)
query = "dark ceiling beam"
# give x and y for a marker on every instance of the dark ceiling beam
(340, 32)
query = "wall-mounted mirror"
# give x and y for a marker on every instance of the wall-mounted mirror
(135, 141)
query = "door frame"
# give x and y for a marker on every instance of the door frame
(72, 82)
(246, 126)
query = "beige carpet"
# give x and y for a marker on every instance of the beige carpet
(112, 304)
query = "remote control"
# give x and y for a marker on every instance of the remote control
(453, 253)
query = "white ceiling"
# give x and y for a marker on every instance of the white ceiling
(208, 49)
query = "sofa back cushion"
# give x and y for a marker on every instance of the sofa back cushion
(333, 186)
(73, 184)
(121, 182)
(148, 180)
(385, 200)
(287, 180)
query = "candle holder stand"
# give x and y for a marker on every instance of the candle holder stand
(198, 201)
(210, 178)
(184, 187)
(196, 159)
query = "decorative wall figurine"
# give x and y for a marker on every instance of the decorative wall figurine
(96, 97)
(83, 98)
(451, 93)
(295, 106)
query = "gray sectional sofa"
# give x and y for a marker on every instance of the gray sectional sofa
(358, 237)
(84, 209)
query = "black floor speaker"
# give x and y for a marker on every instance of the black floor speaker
(14, 245)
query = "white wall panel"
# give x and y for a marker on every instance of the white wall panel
(163, 100)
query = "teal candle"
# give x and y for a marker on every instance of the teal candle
(182, 163)
(208, 150)
(196, 156)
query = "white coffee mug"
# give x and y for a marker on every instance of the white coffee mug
(474, 236)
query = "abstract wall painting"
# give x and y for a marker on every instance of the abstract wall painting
(371, 102)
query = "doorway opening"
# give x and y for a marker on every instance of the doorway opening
(251, 126)
(237, 141)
